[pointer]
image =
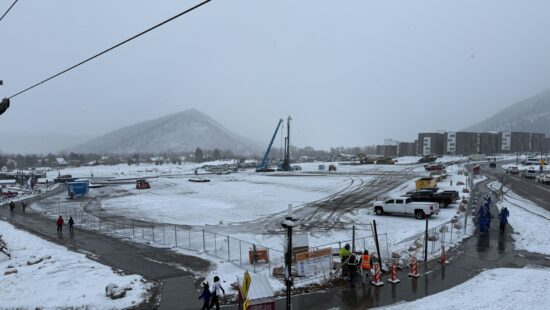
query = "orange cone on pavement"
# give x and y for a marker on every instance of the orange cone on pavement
(443, 259)
(377, 278)
(393, 278)
(413, 268)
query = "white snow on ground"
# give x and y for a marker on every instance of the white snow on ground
(229, 198)
(530, 222)
(498, 289)
(65, 280)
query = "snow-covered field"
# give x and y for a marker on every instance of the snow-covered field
(530, 222)
(238, 197)
(498, 289)
(63, 279)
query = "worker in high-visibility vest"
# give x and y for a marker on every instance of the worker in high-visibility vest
(345, 253)
(366, 264)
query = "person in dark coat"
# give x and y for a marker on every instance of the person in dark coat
(504, 214)
(71, 223)
(353, 269)
(59, 223)
(206, 295)
(23, 205)
(12, 205)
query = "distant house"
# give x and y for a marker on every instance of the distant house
(61, 161)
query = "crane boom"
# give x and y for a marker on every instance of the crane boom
(263, 165)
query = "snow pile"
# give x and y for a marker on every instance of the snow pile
(529, 221)
(499, 289)
(42, 274)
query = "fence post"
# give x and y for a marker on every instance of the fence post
(153, 232)
(203, 242)
(215, 245)
(228, 251)
(163, 235)
(176, 234)
(189, 237)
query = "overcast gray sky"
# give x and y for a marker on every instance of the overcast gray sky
(349, 72)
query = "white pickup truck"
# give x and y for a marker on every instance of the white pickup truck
(405, 205)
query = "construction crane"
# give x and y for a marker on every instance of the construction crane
(262, 167)
(286, 162)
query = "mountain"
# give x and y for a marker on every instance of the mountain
(529, 115)
(179, 132)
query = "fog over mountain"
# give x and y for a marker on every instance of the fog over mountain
(529, 115)
(179, 132)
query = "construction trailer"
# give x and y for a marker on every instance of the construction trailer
(78, 188)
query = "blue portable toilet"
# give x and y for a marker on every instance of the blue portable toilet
(77, 189)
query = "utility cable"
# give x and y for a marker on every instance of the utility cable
(110, 48)
(6, 13)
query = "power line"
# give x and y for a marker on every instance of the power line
(11, 6)
(110, 48)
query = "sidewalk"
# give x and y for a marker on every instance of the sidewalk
(131, 258)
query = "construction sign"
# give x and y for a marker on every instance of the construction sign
(244, 289)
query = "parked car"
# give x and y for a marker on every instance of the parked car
(443, 199)
(543, 178)
(529, 173)
(405, 205)
(512, 170)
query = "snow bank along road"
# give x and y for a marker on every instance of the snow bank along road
(131, 258)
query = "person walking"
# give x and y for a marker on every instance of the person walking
(344, 256)
(71, 223)
(206, 295)
(366, 264)
(503, 215)
(23, 206)
(59, 223)
(12, 205)
(217, 291)
(353, 269)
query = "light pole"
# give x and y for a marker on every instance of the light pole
(288, 223)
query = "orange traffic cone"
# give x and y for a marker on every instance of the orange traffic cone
(394, 278)
(413, 268)
(377, 278)
(443, 259)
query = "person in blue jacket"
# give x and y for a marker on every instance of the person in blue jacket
(206, 294)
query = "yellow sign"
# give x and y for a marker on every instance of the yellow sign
(542, 163)
(246, 304)
(246, 285)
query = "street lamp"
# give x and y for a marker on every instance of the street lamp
(288, 223)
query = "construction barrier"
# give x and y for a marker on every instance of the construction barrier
(377, 278)
(413, 268)
(393, 278)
